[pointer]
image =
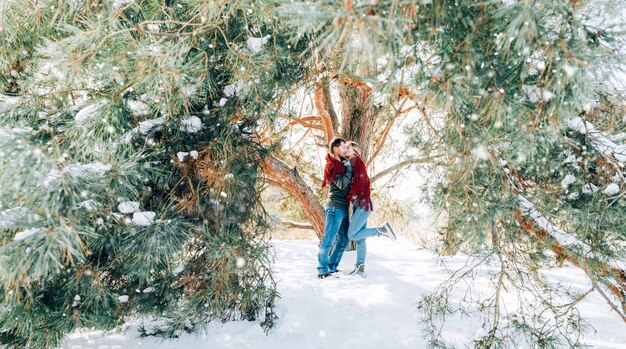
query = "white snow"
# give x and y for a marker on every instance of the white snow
(611, 189)
(230, 90)
(375, 312)
(144, 127)
(123, 299)
(573, 196)
(84, 170)
(181, 155)
(89, 205)
(599, 140)
(570, 158)
(96, 169)
(148, 290)
(620, 137)
(26, 233)
(536, 94)
(589, 188)
(569, 70)
(128, 206)
(11, 218)
(117, 4)
(10, 132)
(143, 218)
(223, 101)
(569, 179)
(480, 152)
(147, 125)
(192, 124)
(138, 108)
(153, 27)
(255, 44)
(241, 262)
(89, 111)
(194, 154)
(564, 238)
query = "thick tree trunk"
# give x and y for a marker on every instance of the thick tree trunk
(358, 116)
(289, 179)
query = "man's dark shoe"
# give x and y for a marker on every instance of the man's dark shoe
(324, 276)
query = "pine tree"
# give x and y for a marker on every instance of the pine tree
(527, 175)
(129, 163)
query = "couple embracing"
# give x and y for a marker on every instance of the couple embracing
(346, 176)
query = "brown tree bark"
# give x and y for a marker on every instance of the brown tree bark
(358, 115)
(290, 180)
(324, 108)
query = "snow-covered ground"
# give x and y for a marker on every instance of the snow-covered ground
(374, 312)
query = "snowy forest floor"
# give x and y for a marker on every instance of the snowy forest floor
(379, 311)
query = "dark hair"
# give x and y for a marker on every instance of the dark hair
(335, 142)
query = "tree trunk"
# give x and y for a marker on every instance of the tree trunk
(358, 116)
(290, 180)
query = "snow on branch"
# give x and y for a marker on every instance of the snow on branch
(564, 238)
(75, 171)
(16, 217)
(598, 139)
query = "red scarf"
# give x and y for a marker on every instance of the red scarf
(333, 168)
(360, 191)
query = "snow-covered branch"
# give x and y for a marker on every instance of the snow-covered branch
(599, 140)
(565, 239)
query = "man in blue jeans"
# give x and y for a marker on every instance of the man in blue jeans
(338, 177)
(357, 229)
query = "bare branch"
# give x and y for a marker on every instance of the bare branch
(608, 300)
(381, 141)
(322, 110)
(305, 121)
(281, 175)
(398, 167)
(329, 105)
(297, 225)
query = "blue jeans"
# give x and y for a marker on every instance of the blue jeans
(334, 217)
(359, 231)
(342, 244)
